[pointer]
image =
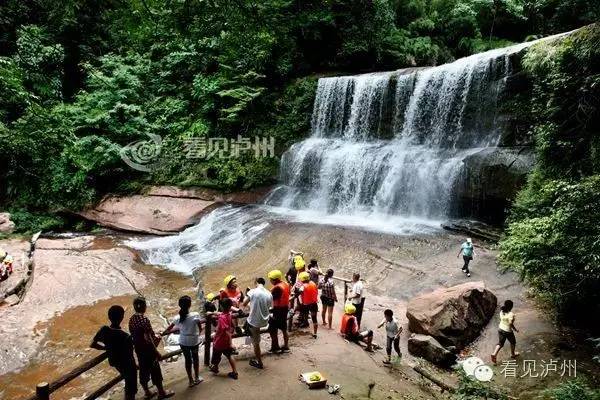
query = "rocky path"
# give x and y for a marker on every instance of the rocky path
(68, 273)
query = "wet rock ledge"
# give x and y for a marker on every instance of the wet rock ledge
(164, 210)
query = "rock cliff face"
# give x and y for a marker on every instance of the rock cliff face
(490, 180)
(163, 210)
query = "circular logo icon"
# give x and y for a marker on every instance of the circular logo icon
(470, 364)
(483, 373)
(143, 155)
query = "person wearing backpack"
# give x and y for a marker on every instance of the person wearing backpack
(467, 251)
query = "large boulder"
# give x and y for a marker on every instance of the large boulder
(6, 225)
(455, 315)
(427, 347)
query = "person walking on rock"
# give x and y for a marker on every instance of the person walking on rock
(506, 331)
(468, 252)
(260, 301)
(393, 331)
(145, 342)
(357, 296)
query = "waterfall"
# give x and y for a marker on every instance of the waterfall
(391, 144)
(385, 152)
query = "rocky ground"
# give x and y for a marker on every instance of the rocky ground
(66, 273)
(84, 276)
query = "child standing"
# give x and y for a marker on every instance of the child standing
(118, 345)
(189, 326)
(222, 342)
(393, 331)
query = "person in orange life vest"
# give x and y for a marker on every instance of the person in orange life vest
(231, 291)
(309, 296)
(279, 313)
(349, 328)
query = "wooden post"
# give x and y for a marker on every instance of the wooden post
(345, 291)
(42, 391)
(207, 337)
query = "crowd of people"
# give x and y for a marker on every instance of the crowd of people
(292, 300)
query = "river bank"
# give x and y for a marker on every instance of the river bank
(395, 269)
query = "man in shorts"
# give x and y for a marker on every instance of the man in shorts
(260, 301)
(281, 301)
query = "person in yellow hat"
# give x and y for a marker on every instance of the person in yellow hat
(232, 291)
(297, 265)
(281, 304)
(309, 297)
(349, 328)
(209, 303)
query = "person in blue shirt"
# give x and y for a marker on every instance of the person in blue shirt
(467, 251)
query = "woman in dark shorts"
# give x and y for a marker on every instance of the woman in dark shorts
(506, 330)
(328, 297)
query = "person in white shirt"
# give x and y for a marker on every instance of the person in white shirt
(392, 332)
(261, 302)
(188, 325)
(357, 296)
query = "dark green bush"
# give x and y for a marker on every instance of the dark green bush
(553, 236)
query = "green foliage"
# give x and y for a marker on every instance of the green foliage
(472, 389)
(81, 79)
(31, 222)
(573, 390)
(40, 62)
(553, 236)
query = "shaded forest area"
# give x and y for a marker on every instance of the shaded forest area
(82, 78)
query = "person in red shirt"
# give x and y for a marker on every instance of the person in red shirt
(279, 314)
(222, 341)
(349, 328)
(309, 297)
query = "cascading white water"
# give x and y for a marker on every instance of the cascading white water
(220, 235)
(392, 144)
(384, 154)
